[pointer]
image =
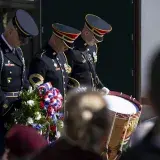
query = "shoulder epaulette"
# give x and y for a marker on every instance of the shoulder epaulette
(40, 54)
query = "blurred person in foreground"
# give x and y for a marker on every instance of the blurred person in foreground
(85, 129)
(149, 147)
(142, 130)
(21, 141)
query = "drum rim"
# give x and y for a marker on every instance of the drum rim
(125, 96)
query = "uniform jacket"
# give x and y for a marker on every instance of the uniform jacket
(82, 60)
(49, 66)
(12, 70)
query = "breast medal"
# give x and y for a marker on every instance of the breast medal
(67, 68)
(95, 57)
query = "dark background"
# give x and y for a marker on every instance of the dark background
(115, 56)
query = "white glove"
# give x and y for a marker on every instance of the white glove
(105, 90)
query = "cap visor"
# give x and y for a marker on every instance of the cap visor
(99, 39)
(69, 45)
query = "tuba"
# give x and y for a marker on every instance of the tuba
(72, 83)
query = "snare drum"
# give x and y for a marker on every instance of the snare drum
(125, 113)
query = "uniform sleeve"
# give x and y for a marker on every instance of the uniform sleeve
(37, 72)
(72, 83)
(96, 56)
(25, 74)
(26, 81)
(70, 57)
(100, 84)
(2, 96)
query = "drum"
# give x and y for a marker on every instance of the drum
(125, 112)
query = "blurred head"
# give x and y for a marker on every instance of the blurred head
(13, 36)
(57, 44)
(154, 82)
(88, 36)
(22, 141)
(86, 121)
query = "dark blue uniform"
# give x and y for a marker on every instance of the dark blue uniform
(12, 69)
(12, 75)
(82, 60)
(12, 80)
(48, 66)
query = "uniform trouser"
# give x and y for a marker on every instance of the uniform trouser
(3, 130)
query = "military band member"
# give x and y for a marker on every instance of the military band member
(12, 72)
(12, 66)
(51, 64)
(83, 57)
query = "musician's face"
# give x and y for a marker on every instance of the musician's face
(89, 37)
(14, 38)
(62, 46)
(58, 44)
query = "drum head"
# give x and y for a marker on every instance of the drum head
(120, 105)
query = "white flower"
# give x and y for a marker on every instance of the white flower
(37, 116)
(30, 102)
(60, 124)
(30, 90)
(58, 135)
(29, 120)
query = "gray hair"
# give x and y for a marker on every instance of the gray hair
(9, 25)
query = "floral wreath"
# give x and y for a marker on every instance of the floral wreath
(42, 108)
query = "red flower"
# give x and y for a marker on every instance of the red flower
(50, 110)
(53, 128)
(53, 99)
(45, 96)
(42, 105)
